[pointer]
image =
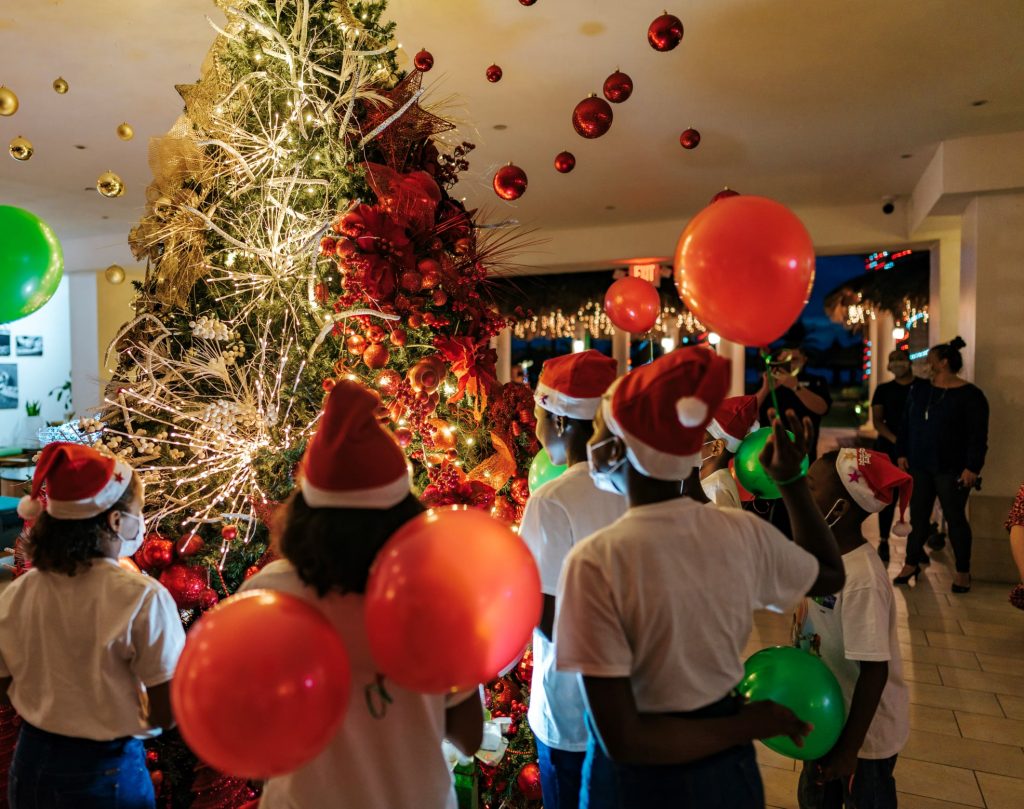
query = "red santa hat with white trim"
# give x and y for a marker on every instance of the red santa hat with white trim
(661, 410)
(734, 420)
(572, 385)
(873, 480)
(352, 461)
(80, 483)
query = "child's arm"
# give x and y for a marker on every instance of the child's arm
(841, 760)
(5, 683)
(631, 737)
(160, 713)
(464, 725)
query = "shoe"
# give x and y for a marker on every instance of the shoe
(883, 551)
(1017, 596)
(963, 588)
(937, 542)
(906, 579)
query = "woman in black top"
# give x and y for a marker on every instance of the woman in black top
(887, 406)
(942, 443)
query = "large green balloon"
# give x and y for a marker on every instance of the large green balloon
(751, 474)
(804, 684)
(542, 470)
(31, 263)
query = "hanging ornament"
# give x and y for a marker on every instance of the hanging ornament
(520, 490)
(21, 149)
(528, 782)
(665, 32)
(424, 60)
(618, 87)
(110, 185)
(60, 86)
(494, 74)
(565, 162)
(376, 356)
(690, 139)
(411, 281)
(114, 274)
(510, 182)
(387, 382)
(427, 374)
(592, 117)
(527, 2)
(155, 553)
(356, 344)
(125, 131)
(189, 545)
(8, 101)
(725, 193)
(185, 583)
(229, 533)
(208, 599)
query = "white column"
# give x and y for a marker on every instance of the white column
(737, 354)
(503, 345)
(620, 349)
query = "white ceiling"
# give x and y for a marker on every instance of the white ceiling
(813, 102)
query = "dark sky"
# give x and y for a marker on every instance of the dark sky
(830, 272)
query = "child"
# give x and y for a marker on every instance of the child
(654, 611)
(734, 420)
(87, 649)
(353, 496)
(857, 632)
(557, 516)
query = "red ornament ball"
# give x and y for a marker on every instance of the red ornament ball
(356, 344)
(251, 571)
(152, 757)
(510, 182)
(665, 32)
(208, 599)
(229, 533)
(525, 667)
(156, 552)
(376, 356)
(398, 337)
(618, 87)
(520, 490)
(725, 193)
(424, 60)
(494, 74)
(527, 2)
(592, 117)
(565, 162)
(411, 281)
(388, 381)
(185, 583)
(528, 782)
(690, 139)
(189, 545)
(376, 334)
(403, 435)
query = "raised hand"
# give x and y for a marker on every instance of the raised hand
(782, 456)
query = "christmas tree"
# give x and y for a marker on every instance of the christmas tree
(300, 229)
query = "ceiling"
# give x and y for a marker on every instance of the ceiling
(813, 102)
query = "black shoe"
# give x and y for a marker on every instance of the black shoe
(883, 551)
(906, 579)
(963, 588)
(937, 542)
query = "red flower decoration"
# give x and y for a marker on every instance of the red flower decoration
(474, 364)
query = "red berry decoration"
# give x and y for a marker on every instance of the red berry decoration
(494, 74)
(725, 193)
(528, 782)
(424, 60)
(229, 533)
(690, 139)
(510, 182)
(665, 32)
(565, 162)
(618, 87)
(592, 117)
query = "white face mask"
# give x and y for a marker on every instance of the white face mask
(604, 479)
(128, 539)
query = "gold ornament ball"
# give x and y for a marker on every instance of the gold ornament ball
(60, 85)
(114, 274)
(21, 148)
(8, 101)
(125, 131)
(110, 185)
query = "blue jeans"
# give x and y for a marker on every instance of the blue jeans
(873, 787)
(59, 772)
(561, 772)
(600, 787)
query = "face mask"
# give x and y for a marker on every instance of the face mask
(128, 539)
(829, 519)
(604, 479)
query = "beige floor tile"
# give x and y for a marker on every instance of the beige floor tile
(912, 636)
(937, 781)
(945, 657)
(970, 754)
(983, 629)
(1001, 792)
(997, 664)
(769, 758)
(921, 672)
(1013, 707)
(934, 720)
(955, 699)
(936, 623)
(1001, 616)
(780, 787)
(944, 640)
(989, 596)
(983, 681)
(991, 729)
(908, 801)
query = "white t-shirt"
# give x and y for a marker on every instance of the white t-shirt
(558, 515)
(370, 763)
(859, 623)
(83, 648)
(665, 597)
(721, 489)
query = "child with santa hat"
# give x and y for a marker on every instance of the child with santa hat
(734, 420)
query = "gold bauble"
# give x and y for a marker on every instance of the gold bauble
(21, 148)
(60, 86)
(114, 274)
(8, 101)
(125, 131)
(110, 185)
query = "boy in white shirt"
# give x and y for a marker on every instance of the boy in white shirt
(734, 420)
(856, 637)
(654, 610)
(557, 516)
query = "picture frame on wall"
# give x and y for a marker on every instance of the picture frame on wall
(5, 343)
(28, 345)
(8, 386)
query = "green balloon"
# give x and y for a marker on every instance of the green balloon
(31, 263)
(749, 471)
(803, 683)
(542, 470)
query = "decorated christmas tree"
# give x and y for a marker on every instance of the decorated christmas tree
(300, 229)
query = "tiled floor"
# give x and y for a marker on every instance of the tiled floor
(963, 656)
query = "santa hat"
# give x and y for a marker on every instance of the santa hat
(352, 461)
(80, 483)
(734, 420)
(572, 385)
(660, 411)
(871, 478)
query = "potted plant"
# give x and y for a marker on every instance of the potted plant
(33, 421)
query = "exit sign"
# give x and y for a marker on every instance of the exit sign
(649, 272)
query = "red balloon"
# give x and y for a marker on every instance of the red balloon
(744, 267)
(565, 162)
(592, 117)
(262, 685)
(510, 182)
(618, 87)
(424, 60)
(632, 304)
(665, 32)
(725, 193)
(451, 600)
(745, 496)
(690, 139)
(494, 74)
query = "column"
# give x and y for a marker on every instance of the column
(738, 355)
(620, 349)
(503, 344)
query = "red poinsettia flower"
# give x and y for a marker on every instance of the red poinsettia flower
(474, 364)
(376, 251)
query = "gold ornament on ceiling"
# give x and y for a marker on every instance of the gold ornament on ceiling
(21, 148)
(8, 101)
(110, 185)
(125, 131)
(60, 86)
(114, 274)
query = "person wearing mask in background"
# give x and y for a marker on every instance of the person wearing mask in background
(942, 442)
(887, 406)
(734, 420)
(796, 389)
(557, 516)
